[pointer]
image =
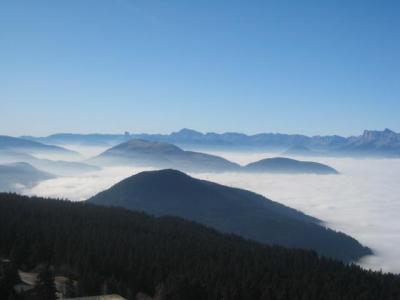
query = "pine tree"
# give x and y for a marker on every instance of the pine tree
(45, 288)
(8, 279)
(70, 288)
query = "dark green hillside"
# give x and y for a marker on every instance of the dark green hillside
(231, 210)
(115, 250)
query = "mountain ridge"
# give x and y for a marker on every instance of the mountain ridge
(283, 165)
(14, 176)
(15, 143)
(58, 167)
(331, 145)
(163, 155)
(139, 152)
(230, 210)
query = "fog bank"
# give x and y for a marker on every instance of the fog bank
(363, 201)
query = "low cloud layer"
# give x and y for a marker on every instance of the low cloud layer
(82, 187)
(363, 201)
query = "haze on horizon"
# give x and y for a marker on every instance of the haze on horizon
(278, 66)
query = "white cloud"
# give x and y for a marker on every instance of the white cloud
(363, 201)
(81, 187)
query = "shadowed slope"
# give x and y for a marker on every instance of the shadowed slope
(170, 192)
(134, 252)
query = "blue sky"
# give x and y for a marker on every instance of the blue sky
(313, 67)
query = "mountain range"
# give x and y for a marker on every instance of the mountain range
(231, 210)
(141, 153)
(161, 155)
(384, 143)
(33, 147)
(15, 150)
(58, 167)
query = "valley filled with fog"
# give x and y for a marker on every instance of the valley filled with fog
(363, 201)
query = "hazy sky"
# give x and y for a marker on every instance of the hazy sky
(314, 67)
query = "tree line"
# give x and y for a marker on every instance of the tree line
(113, 250)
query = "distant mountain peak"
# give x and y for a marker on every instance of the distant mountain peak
(187, 133)
(373, 142)
(163, 155)
(387, 136)
(386, 131)
(141, 144)
(290, 166)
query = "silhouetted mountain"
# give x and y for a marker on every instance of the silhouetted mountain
(378, 143)
(28, 146)
(117, 251)
(15, 176)
(374, 143)
(288, 166)
(187, 134)
(170, 192)
(162, 155)
(58, 167)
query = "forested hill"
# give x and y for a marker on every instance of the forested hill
(133, 252)
(230, 210)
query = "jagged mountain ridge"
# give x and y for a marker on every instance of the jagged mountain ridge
(379, 143)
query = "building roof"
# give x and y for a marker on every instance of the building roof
(28, 278)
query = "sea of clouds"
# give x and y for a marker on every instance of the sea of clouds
(363, 201)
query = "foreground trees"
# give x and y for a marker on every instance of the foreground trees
(44, 286)
(115, 250)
